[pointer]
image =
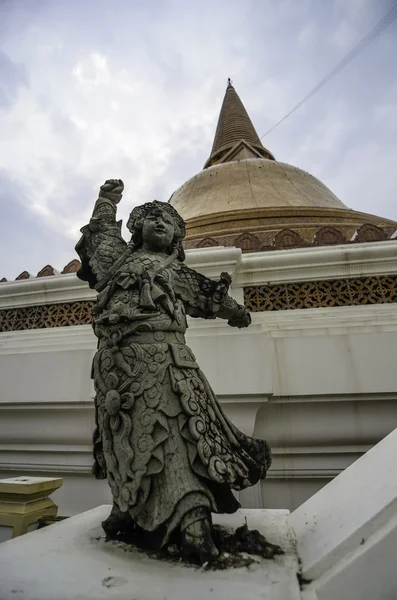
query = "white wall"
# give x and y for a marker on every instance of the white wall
(320, 384)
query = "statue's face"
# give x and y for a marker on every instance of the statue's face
(158, 231)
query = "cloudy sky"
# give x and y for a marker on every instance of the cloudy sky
(97, 89)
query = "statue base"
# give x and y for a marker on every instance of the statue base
(72, 560)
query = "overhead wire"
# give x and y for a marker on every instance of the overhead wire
(362, 44)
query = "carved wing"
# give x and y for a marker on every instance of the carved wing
(100, 246)
(203, 297)
(196, 291)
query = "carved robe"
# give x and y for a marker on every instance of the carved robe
(162, 439)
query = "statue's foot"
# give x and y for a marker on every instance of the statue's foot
(197, 543)
(118, 523)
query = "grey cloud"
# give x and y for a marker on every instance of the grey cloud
(26, 244)
(149, 115)
(12, 77)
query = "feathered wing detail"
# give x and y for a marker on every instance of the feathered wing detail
(99, 248)
(203, 297)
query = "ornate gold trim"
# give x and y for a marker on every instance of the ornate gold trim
(277, 214)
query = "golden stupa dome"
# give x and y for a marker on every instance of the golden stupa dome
(251, 183)
(244, 197)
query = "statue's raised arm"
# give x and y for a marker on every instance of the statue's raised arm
(101, 243)
(110, 194)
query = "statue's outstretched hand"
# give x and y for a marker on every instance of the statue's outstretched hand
(241, 319)
(112, 189)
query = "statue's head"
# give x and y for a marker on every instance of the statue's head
(157, 226)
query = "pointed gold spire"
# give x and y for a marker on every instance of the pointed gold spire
(235, 128)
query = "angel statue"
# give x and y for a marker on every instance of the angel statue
(169, 453)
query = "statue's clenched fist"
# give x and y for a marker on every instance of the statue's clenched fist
(241, 319)
(112, 189)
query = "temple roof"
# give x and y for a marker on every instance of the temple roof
(235, 127)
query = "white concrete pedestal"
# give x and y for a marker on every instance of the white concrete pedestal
(71, 561)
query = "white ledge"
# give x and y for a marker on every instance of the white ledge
(212, 261)
(323, 262)
(44, 290)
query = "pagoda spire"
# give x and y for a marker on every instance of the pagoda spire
(234, 128)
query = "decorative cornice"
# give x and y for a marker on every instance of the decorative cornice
(44, 316)
(320, 294)
(48, 271)
(64, 300)
(276, 212)
(43, 290)
(318, 263)
(257, 298)
(263, 229)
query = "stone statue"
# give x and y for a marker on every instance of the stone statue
(170, 454)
